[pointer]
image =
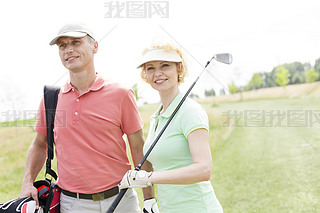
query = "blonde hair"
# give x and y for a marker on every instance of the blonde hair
(181, 66)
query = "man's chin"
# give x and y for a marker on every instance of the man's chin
(72, 68)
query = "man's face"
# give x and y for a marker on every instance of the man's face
(76, 54)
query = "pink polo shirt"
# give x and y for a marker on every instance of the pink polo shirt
(88, 132)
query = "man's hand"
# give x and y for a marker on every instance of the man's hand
(150, 206)
(136, 179)
(28, 190)
(36, 157)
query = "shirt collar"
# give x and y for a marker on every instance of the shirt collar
(170, 109)
(97, 84)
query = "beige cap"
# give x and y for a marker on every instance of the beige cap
(74, 31)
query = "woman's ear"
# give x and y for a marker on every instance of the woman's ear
(179, 67)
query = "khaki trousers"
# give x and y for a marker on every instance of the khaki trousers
(128, 204)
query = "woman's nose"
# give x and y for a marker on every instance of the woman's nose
(158, 72)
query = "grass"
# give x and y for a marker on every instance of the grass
(270, 168)
(269, 165)
(14, 145)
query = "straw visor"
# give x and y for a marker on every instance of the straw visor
(155, 54)
(72, 30)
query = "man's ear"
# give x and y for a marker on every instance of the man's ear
(95, 45)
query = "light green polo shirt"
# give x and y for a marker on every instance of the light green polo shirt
(172, 152)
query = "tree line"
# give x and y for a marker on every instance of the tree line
(282, 75)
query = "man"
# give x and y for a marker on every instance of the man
(90, 150)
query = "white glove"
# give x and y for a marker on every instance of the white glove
(150, 206)
(136, 179)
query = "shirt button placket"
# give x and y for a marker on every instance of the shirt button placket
(76, 114)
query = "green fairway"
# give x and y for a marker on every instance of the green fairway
(266, 154)
(270, 168)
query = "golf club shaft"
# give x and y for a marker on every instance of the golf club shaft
(123, 191)
(117, 200)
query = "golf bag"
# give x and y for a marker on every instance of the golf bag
(48, 196)
(48, 191)
(21, 205)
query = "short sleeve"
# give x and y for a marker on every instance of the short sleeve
(194, 117)
(41, 126)
(130, 117)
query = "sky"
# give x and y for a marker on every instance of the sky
(259, 34)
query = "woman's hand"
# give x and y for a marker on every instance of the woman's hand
(136, 179)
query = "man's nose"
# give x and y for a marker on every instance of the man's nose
(69, 49)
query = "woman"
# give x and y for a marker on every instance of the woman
(182, 158)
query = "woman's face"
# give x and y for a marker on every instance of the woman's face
(162, 75)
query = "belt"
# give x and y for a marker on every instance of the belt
(96, 196)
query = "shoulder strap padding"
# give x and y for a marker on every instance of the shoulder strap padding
(50, 102)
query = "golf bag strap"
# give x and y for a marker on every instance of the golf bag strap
(50, 102)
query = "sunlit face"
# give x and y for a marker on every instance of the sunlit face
(162, 75)
(76, 53)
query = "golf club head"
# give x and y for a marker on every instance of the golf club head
(223, 57)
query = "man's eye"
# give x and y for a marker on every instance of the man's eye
(76, 42)
(150, 68)
(62, 46)
(165, 65)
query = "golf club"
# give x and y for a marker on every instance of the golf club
(222, 57)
